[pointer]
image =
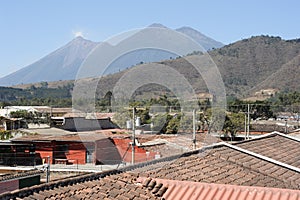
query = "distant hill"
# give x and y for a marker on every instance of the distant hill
(63, 64)
(257, 63)
(286, 78)
(246, 66)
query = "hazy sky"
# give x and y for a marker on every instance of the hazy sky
(32, 29)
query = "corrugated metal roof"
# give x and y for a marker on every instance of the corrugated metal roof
(187, 190)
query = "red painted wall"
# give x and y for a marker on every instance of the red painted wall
(44, 155)
(44, 150)
(76, 153)
(140, 153)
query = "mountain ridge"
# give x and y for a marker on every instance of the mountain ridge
(54, 66)
(246, 66)
(64, 62)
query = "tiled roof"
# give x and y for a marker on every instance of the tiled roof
(177, 190)
(206, 169)
(277, 146)
(10, 176)
(175, 144)
(122, 186)
(223, 165)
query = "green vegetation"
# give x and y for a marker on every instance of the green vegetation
(5, 135)
(59, 97)
(30, 117)
(164, 112)
(168, 122)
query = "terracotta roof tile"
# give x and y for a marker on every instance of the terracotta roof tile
(197, 174)
(217, 166)
(186, 190)
(275, 146)
(123, 186)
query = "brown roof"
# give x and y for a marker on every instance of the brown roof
(223, 165)
(10, 176)
(123, 186)
(82, 137)
(167, 145)
(178, 190)
(216, 164)
(277, 146)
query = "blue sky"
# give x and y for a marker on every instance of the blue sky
(32, 29)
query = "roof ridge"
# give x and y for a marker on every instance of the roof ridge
(28, 173)
(274, 133)
(288, 136)
(276, 162)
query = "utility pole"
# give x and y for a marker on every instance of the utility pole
(48, 170)
(285, 127)
(133, 132)
(133, 136)
(248, 124)
(194, 129)
(245, 130)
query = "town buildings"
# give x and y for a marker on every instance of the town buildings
(263, 168)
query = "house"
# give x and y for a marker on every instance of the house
(38, 119)
(97, 147)
(253, 169)
(53, 112)
(71, 148)
(5, 112)
(78, 121)
(43, 110)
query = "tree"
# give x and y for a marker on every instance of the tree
(173, 125)
(44, 84)
(233, 123)
(160, 122)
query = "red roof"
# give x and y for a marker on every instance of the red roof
(188, 190)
